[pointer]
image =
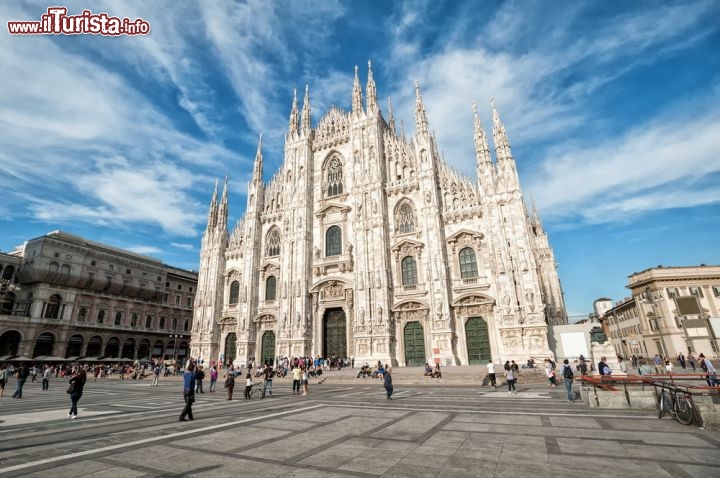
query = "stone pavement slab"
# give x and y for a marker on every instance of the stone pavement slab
(346, 430)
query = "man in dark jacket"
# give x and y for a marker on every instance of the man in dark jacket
(602, 367)
(388, 383)
(199, 376)
(22, 375)
(188, 392)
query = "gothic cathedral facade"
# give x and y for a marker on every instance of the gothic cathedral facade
(365, 244)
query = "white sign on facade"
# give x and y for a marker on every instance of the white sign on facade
(574, 344)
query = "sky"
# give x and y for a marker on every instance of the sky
(612, 110)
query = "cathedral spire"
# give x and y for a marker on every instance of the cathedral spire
(502, 146)
(305, 124)
(213, 212)
(505, 161)
(534, 214)
(293, 129)
(421, 123)
(357, 106)
(223, 209)
(371, 92)
(484, 166)
(391, 117)
(258, 167)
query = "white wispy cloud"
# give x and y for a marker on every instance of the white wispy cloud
(527, 69)
(144, 250)
(95, 145)
(657, 165)
(187, 247)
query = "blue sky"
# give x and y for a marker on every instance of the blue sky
(612, 110)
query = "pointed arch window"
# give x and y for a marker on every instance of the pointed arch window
(161, 325)
(234, 292)
(118, 318)
(334, 177)
(333, 241)
(101, 316)
(133, 320)
(405, 218)
(270, 288)
(409, 271)
(468, 263)
(82, 312)
(272, 243)
(174, 324)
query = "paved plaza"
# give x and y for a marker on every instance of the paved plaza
(129, 429)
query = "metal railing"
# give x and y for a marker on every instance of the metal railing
(669, 383)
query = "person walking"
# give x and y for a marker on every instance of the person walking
(46, 377)
(568, 377)
(681, 359)
(297, 374)
(22, 375)
(304, 381)
(188, 392)
(516, 370)
(267, 381)
(3, 378)
(491, 374)
(156, 375)
(550, 373)
(230, 382)
(691, 360)
(248, 385)
(213, 378)
(603, 369)
(658, 364)
(387, 383)
(583, 368)
(510, 378)
(709, 368)
(75, 389)
(199, 376)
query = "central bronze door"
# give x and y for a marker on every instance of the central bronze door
(268, 347)
(230, 347)
(478, 341)
(414, 344)
(335, 333)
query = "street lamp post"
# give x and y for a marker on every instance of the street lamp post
(176, 337)
(652, 300)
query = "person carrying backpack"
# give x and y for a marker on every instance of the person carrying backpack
(568, 378)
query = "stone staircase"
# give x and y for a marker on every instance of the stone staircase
(454, 375)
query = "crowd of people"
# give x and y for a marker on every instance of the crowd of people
(302, 369)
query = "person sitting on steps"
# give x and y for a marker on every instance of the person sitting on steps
(428, 370)
(437, 373)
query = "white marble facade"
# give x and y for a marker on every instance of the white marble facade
(365, 244)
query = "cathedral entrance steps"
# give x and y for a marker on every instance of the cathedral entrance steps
(457, 375)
